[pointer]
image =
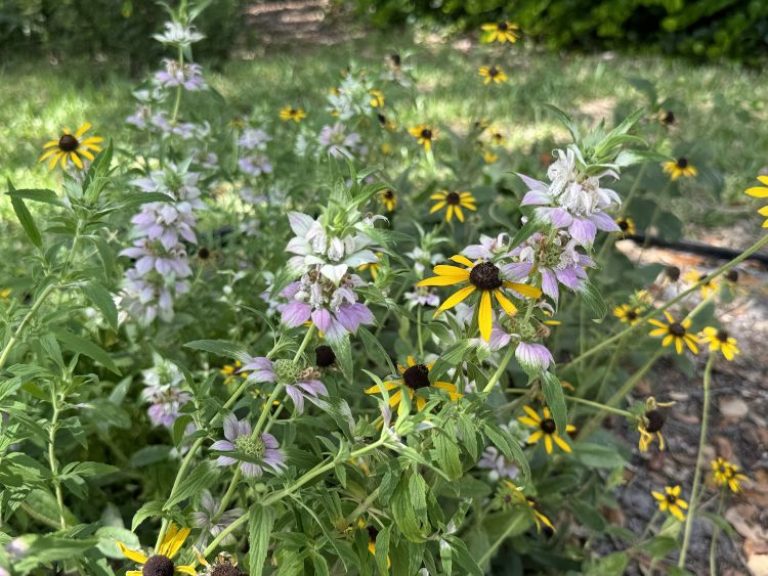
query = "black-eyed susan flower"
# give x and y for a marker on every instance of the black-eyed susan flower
(388, 199)
(725, 473)
(627, 226)
(415, 377)
(675, 332)
(671, 502)
(545, 428)
(511, 494)
(649, 426)
(71, 148)
(667, 117)
(161, 562)
(481, 276)
(492, 75)
(424, 135)
(501, 32)
(325, 357)
(628, 313)
(377, 98)
(224, 565)
(720, 341)
(679, 168)
(707, 288)
(231, 371)
(452, 203)
(760, 192)
(288, 113)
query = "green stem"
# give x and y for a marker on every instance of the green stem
(20, 328)
(363, 506)
(575, 399)
(715, 535)
(177, 103)
(418, 333)
(595, 421)
(656, 311)
(52, 462)
(611, 365)
(280, 494)
(187, 462)
(500, 370)
(699, 462)
(514, 525)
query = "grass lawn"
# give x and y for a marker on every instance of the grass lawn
(719, 109)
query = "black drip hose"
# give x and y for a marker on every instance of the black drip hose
(694, 248)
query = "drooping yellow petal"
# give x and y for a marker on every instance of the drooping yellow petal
(187, 569)
(532, 414)
(524, 289)
(394, 400)
(51, 144)
(548, 443)
(679, 345)
(459, 213)
(441, 281)
(659, 496)
(410, 360)
(438, 196)
(485, 316)
(134, 555)
(438, 206)
(83, 129)
(460, 259)
(76, 159)
(454, 271)
(527, 421)
(449, 214)
(455, 298)
(174, 544)
(505, 303)
(420, 403)
(564, 446)
(535, 437)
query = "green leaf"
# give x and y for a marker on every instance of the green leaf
(25, 218)
(109, 536)
(102, 299)
(99, 168)
(598, 456)
(47, 549)
(37, 195)
(342, 348)
(447, 452)
(508, 446)
(148, 510)
(594, 300)
(202, 477)
(463, 556)
(80, 345)
(223, 348)
(382, 551)
(409, 507)
(260, 523)
(566, 121)
(451, 357)
(553, 394)
(612, 565)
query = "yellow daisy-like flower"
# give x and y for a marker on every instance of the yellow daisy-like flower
(377, 98)
(453, 202)
(628, 314)
(479, 276)
(708, 288)
(678, 168)
(415, 377)
(424, 135)
(492, 74)
(501, 32)
(290, 113)
(725, 473)
(389, 199)
(489, 157)
(71, 148)
(627, 225)
(511, 494)
(161, 562)
(674, 331)
(671, 502)
(372, 267)
(545, 428)
(760, 192)
(231, 371)
(649, 426)
(720, 340)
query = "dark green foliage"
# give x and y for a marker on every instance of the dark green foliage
(83, 29)
(699, 28)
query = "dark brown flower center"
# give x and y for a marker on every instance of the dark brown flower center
(395, 59)
(673, 273)
(655, 421)
(426, 133)
(722, 335)
(631, 315)
(204, 253)
(493, 71)
(682, 163)
(677, 330)
(668, 118)
(548, 426)
(68, 143)
(324, 356)
(382, 119)
(225, 569)
(485, 276)
(732, 276)
(373, 532)
(416, 377)
(389, 195)
(672, 499)
(502, 26)
(624, 225)
(158, 565)
(453, 198)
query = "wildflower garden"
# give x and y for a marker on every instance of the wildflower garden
(431, 300)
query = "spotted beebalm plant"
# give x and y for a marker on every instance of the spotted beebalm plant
(338, 336)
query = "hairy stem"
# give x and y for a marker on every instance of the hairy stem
(24, 321)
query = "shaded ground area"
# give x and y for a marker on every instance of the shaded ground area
(738, 427)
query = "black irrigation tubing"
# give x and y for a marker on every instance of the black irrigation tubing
(695, 248)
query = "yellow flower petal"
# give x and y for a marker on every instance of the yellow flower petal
(505, 303)
(455, 298)
(454, 271)
(134, 555)
(564, 446)
(485, 316)
(532, 414)
(462, 260)
(83, 129)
